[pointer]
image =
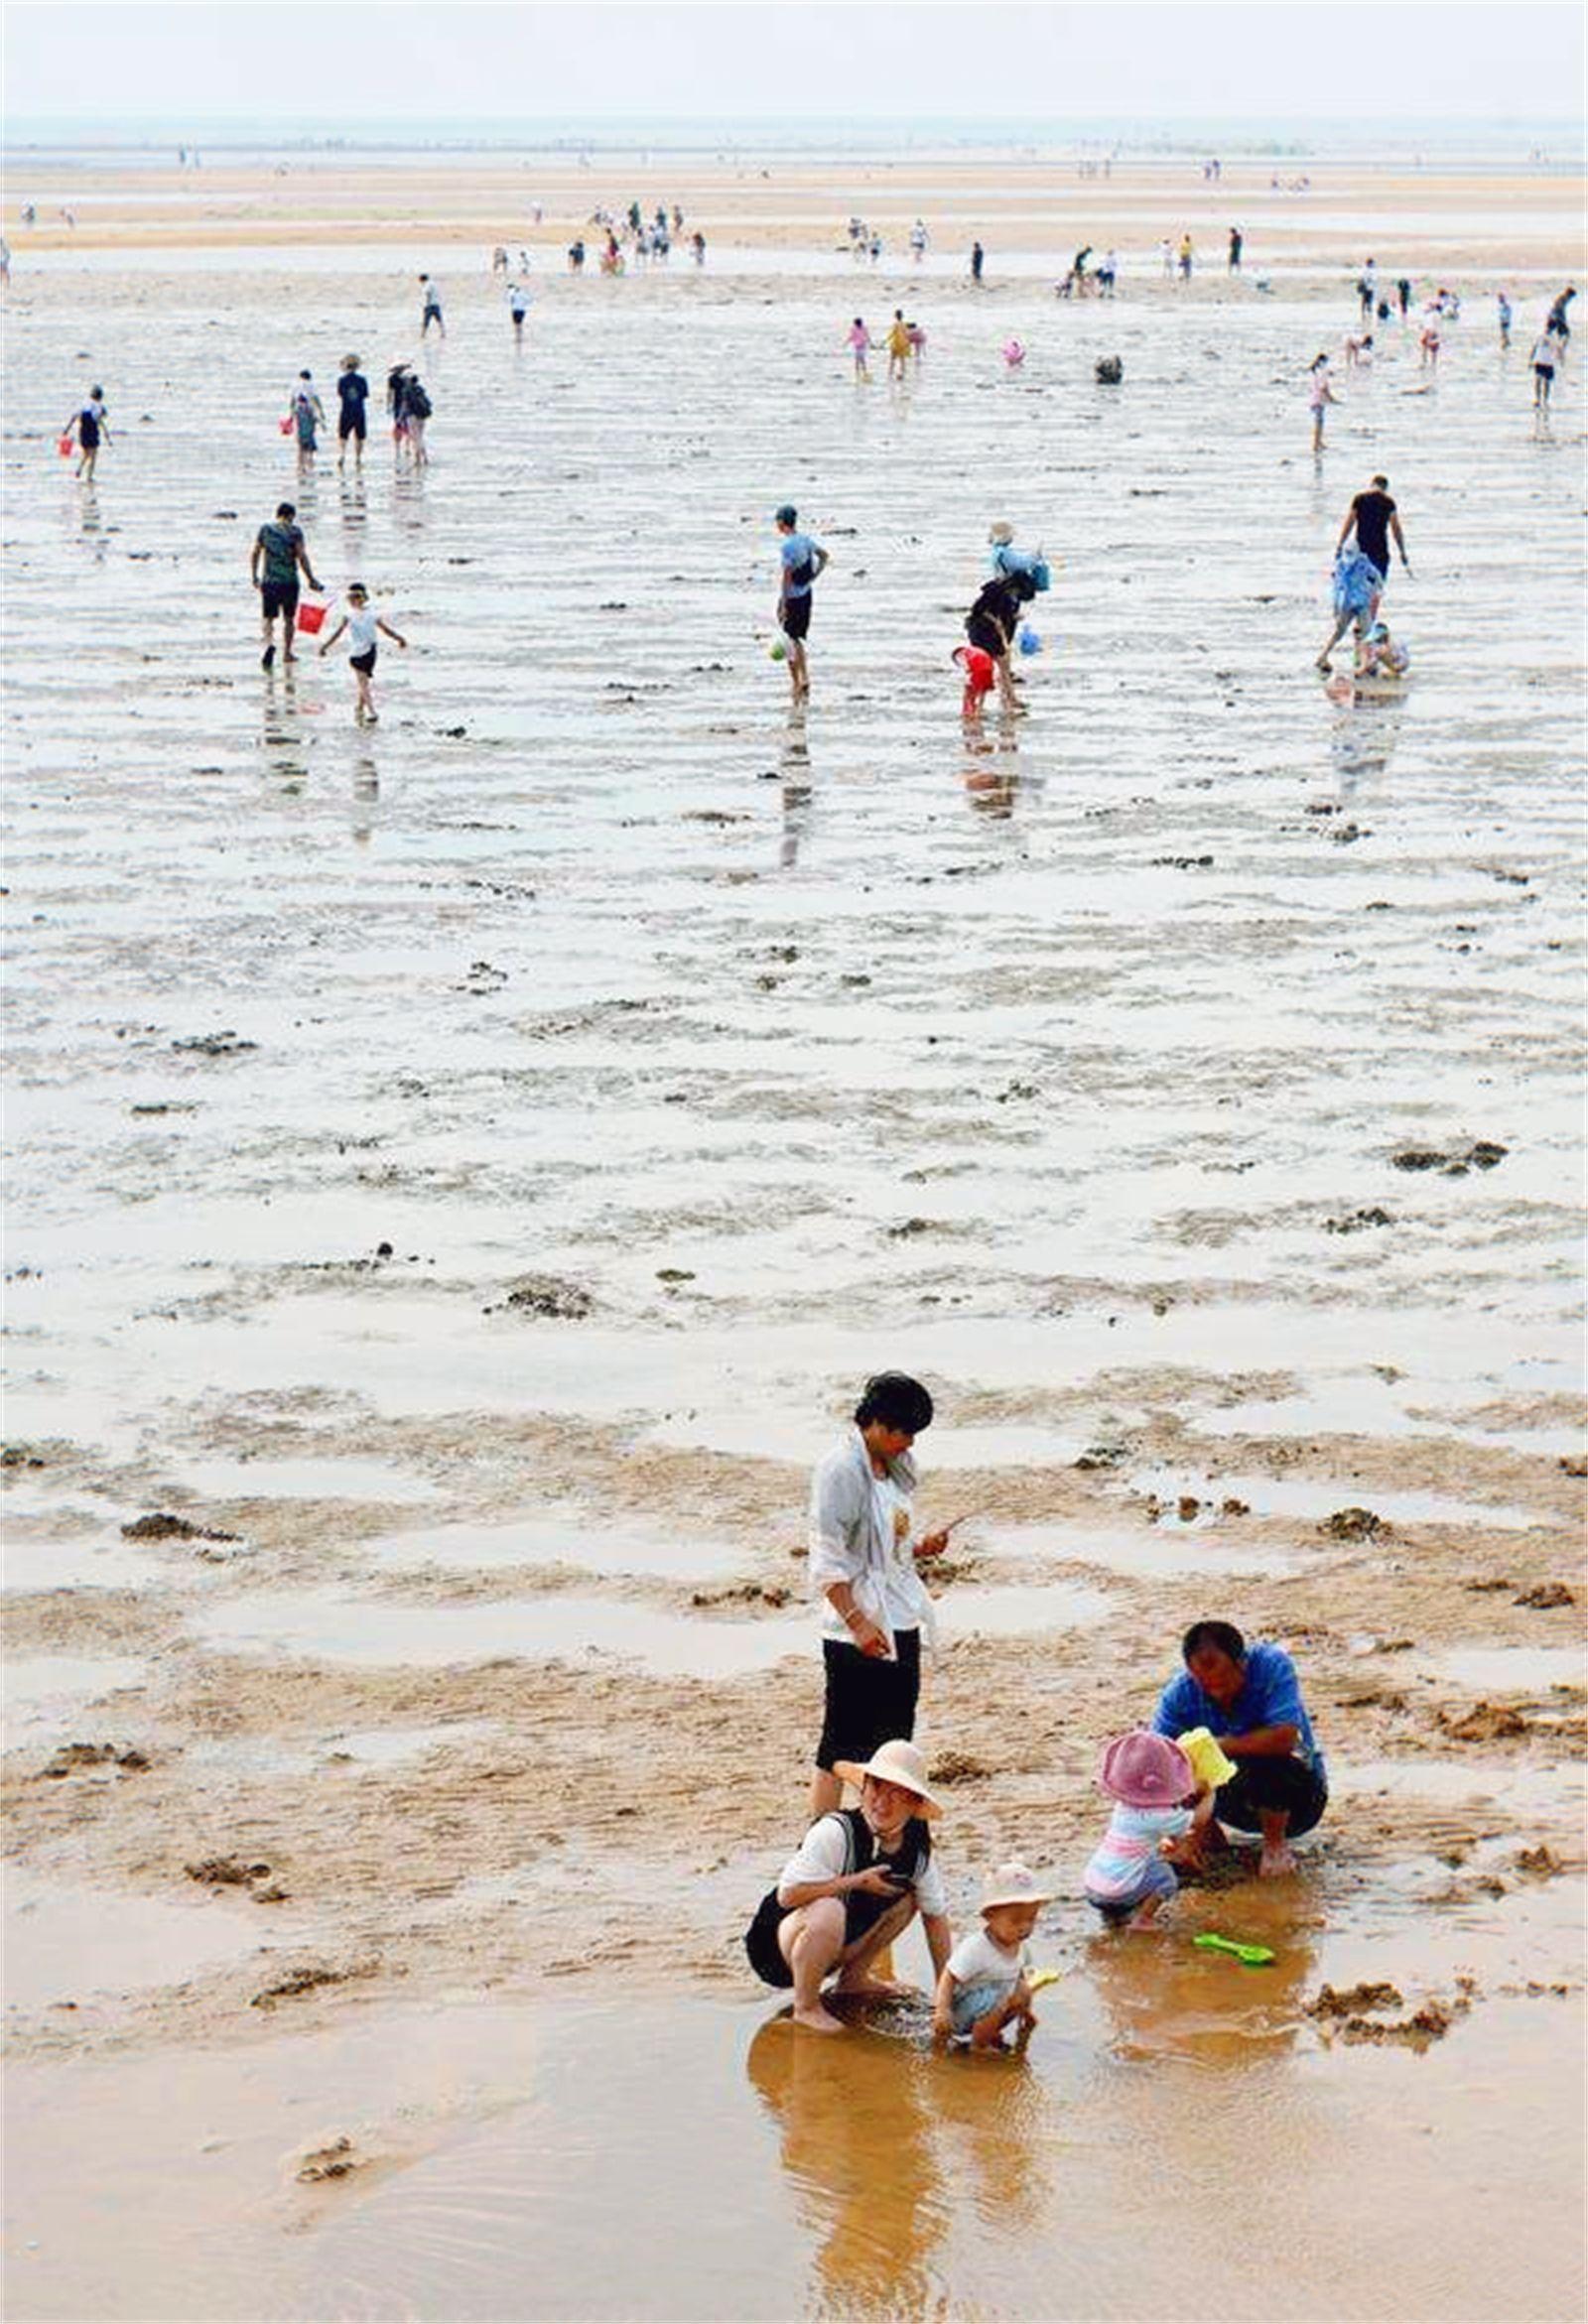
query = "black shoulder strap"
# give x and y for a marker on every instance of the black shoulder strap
(859, 1847)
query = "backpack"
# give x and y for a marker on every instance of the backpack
(1042, 574)
(417, 402)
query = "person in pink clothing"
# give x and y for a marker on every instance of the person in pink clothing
(1156, 1802)
(859, 339)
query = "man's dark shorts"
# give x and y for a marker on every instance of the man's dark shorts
(347, 426)
(278, 598)
(795, 616)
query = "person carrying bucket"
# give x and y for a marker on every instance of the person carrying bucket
(93, 429)
(280, 553)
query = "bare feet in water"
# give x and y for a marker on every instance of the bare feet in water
(1275, 1863)
(817, 2021)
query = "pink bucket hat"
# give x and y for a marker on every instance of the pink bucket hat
(1145, 1771)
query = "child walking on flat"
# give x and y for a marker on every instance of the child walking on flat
(361, 621)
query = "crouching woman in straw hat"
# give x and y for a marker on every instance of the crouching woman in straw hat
(856, 1882)
(875, 1604)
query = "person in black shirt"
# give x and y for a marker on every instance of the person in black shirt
(353, 390)
(993, 621)
(1358, 578)
(1557, 326)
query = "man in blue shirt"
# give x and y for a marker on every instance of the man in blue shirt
(801, 562)
(1251, 1698)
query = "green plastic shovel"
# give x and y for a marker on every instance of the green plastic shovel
(1255, 1956)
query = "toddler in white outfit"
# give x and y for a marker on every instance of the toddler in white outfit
(983, 1984)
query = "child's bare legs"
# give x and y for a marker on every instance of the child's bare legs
(364, 701)
(1339, 631)
(1145, 1914)
(988, 2032)
(86, 465)
(1006, 701)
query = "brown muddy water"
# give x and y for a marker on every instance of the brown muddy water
(460, 1171)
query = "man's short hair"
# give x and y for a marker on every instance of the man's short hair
(896, 1400)
(1224, 1635)
(788, 514)
(1383, 484)
(287, 508)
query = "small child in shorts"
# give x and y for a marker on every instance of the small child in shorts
(982, 1988)
(1158, 1799)
(981, 676)
(361, 621)
(1380, 656)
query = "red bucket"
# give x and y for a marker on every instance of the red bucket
(63, 447)
(311, 617)
(285, 426)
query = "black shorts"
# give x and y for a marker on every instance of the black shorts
(364, 662)
(985, 634)
(868, 1700)
(352, 424)
(760, 1942)
(278, 598)
(795, 616)
(1544, 370)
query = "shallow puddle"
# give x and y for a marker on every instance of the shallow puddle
(74, 1945)
(1509, 1670)
(43, 1692)
(1164, 1551)
(494, 2147)
(93, 1562)
(320, 1627)
(577, 1540)
(264, 1479)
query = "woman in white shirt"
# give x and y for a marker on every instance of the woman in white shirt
(874, 1603)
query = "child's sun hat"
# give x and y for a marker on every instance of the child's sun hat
(1012, 1883)
(1145, 1771)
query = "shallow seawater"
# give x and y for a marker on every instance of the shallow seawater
(44, 1693)
(495, 2144)
(575, 1540)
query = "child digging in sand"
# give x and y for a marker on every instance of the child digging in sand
(1158, 1800)
(984, 1986)
(361, 621)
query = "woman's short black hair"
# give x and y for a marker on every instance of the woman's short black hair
(896, 1400)
(1224, 1635)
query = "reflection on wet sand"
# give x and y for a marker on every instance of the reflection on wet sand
(1364, 732)
(794, 773)
(1160, 1998)
(887, 2143)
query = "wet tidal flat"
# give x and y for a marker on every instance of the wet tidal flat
(460, 1171)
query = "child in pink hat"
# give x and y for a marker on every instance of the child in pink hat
(1158, 1799)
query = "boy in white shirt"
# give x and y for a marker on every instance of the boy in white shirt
(983, 1987)
(361, 621)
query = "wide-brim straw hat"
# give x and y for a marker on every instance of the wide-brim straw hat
(1012, 1883)
(1145, 1771)
(1000, 535)
(893, 1762)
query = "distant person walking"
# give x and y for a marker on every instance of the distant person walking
(1503, 310)
(1186, 258)
(1545, 355)
(859, 339)
(978, 262)
(353, 420)
(1320, 395)
(431, 313)
(307, 414)
(1237, 245)
(92, 424)
(280, 553)
(517, 307)
(1557, 322)
(801, 563)
(898, 344)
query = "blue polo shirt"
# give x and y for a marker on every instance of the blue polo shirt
(798, 563)
(1271, 1696)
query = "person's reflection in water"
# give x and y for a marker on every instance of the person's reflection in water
(998, 2130)
(92, 528)
(408, 498)
(366, 794)
(794, 773)
(354, 516)
(857, 2144)
(281, 733)
(1163, 1999)
(1366, 729)
(992, 776)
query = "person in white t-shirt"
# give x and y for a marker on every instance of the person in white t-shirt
(362, 621)
(983, 1987)
(856, 1882)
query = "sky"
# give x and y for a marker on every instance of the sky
(389, 60)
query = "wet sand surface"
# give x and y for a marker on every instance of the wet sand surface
(459, 1172)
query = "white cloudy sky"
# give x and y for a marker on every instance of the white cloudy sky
(385, 60)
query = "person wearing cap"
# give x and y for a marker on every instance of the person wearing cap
(1250, 1698)
(982, 1985)
(801, 562)
(863, 1570)
(1158, 1801)
(856, 1882)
